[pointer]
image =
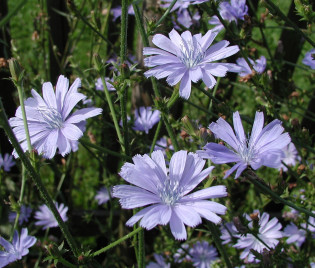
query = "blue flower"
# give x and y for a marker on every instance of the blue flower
(17, 249)
(167, 194)
(236, 10)
(45, 217)
(50, 123)
(309, 59)
(6, 162)
(268, 234)
(145, 119)
(202, 254)
(294, 234)
(160, 262)
(99, 84)
(291, 155)
(188, 58)
(264, 148)
(259, 66)
(102, 196)
(25, 213)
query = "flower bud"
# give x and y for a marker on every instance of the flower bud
(15, 69)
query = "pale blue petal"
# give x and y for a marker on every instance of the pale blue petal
(49, 95)
(185, 86)
(177, 227)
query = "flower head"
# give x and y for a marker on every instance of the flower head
(291, 155)
(17, 249)
(160, 262)
(309, 59)
(202, 254)
(25, 213)
(102, 196)
(268, 234)
(47, 219)
(145, 119)
(50, 123)
(228, 231)
(310, 225)
(294, 234)
(264, 148)
(259, 66)
(99, 84)
(167, 194)
(188, 58)
(233, 11)
(7, 162)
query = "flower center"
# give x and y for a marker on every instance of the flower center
(170, 193)
(247, 151)
(51, 117)
(191, 53)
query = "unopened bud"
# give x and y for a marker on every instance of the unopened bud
(189, 127)
(15, 69)
(98, 62)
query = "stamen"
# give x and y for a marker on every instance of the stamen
(191, 53)
(51, 117)
(170, 193)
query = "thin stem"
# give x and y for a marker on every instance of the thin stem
(117, 242)
(123, 107)
(171, 133)
(216, 237)
(252, 177)
(21, 98)
(157, 93)
(37, 180)
(141, 249)
(168, 10)
(213, 94)
(20, 199)
(123, 32)
(112, 111)
(104, 150)
(156, 135)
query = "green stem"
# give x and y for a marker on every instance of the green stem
(157, 93)
(156, 135)
(170, 133)
(123, 107)
(168, 10)
(117, 242)
(216, 237)
(37, 180)
(173, 98)
(21, 98)
(213, 94)
(104, 150)
(252, 177)
(276, 11)
(141, 249)
(20, 198)
(112, 111)
(123, 32)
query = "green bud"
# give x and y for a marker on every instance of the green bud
(15, 69)
(99, 64)
(189, 126)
